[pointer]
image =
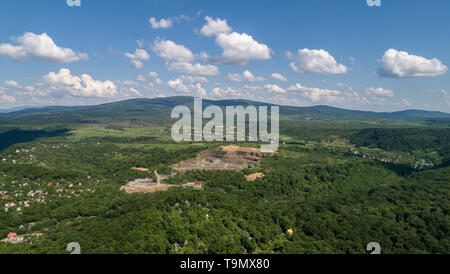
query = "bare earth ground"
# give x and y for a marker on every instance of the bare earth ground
(139, 168)
(254, 176)
(229, 158)
(234, 158)
(144, 186)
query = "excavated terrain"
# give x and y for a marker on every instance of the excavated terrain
(228, 158)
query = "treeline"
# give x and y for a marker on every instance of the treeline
(16, 136)
(403, 139)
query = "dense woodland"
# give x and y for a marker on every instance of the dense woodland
(387, 184)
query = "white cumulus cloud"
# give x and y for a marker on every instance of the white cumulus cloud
(151, 76)
(245, 76)
(194, 79)
(11, 83)
(199, 90)
(316, 61)
(138, 57)
(194, 69)
(317, 94)
(215, 26)
(221, 93)
(278, 76)
(177, 85)
(170, 51)
(240, 49)
(274, 88)
(40, 47)
(161, 24)
(4, 98)
(402, 64)
(195, 89)
(380, 92)
(84, 86)
(179, 58)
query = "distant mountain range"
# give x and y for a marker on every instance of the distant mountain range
(158, 110)
(8, 110)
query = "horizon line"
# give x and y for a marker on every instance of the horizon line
(20, 108)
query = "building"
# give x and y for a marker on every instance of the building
(197, 184)
(12, 235)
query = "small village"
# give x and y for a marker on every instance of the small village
(17, 195)
(29, 155)
(391, 157)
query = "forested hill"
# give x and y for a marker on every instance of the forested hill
(158, 111)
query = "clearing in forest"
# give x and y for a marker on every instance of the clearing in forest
(254, 176)
(144, 186)
(228, 158)
(139, 168)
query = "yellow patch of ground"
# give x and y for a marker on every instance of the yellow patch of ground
(234, 148)
(254, 176)
(139, 168)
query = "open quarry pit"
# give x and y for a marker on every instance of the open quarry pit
(228, 158)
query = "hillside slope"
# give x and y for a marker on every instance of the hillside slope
(158, 111)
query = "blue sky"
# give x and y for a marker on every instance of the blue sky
(322, 52)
